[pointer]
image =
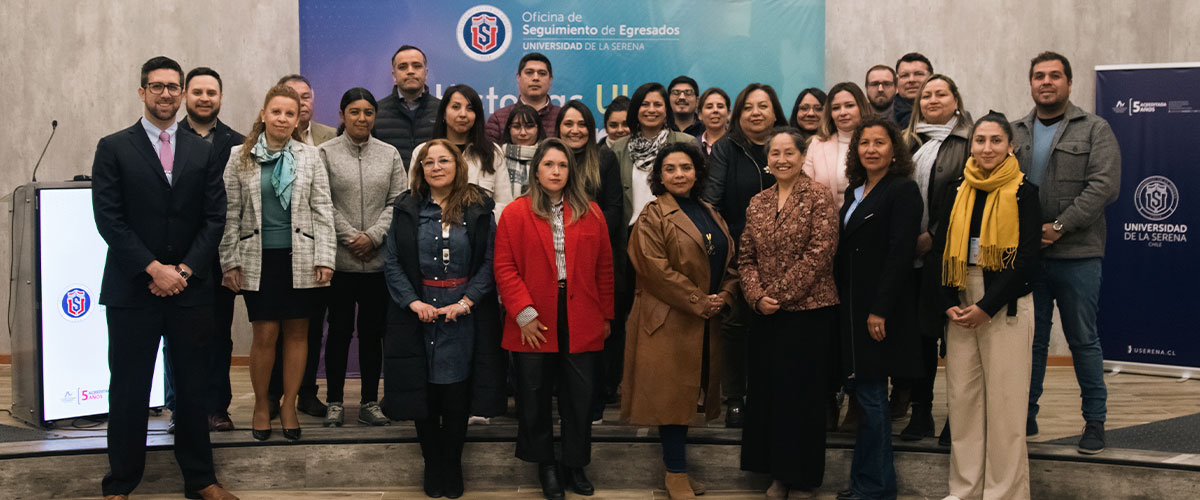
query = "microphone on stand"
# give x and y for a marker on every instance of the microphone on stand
(53, 128)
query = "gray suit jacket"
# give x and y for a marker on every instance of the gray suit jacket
(313, 240)
(1083, 177)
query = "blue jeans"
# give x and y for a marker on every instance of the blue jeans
(872, 470)
(1075, 285)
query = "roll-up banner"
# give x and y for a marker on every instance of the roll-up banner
(597, 49)
(1148, 302)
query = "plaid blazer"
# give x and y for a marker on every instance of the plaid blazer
(313, 240)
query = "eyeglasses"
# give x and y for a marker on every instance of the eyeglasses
(440, 163)
(683, 92)
(884, 84)
(815, 108)
(156, 88)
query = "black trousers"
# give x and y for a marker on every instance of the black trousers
(537, 376)
(316, 333)
(921, 388)
(367, 293)
(784, 434)
(219, 391)
(735, 327)
(133, 337)
(444, 431)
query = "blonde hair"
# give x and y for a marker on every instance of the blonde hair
(910, 132)
(247, 154)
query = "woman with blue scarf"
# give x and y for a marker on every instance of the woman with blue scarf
(278, 247)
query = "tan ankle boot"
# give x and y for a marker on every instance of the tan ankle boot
(678, 487)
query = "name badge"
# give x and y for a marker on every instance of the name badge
(973, 252)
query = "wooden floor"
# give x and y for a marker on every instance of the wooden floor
(1132, 400)
(495, 494)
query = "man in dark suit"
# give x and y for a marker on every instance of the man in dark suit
(159, 204)
(202, 90)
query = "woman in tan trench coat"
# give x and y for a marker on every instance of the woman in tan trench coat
(680, 249)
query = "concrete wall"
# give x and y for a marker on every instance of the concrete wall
(986, 46)
(78, 62)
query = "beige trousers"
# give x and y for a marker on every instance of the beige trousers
(987, 378)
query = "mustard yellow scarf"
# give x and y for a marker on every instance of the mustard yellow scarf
(999, 232)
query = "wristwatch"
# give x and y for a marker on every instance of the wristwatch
(1057, 226)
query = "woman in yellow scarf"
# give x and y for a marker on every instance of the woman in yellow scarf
(989, 237)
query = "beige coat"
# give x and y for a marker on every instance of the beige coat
(313, 240)
(665, 332)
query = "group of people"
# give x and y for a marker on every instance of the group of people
(703, 253)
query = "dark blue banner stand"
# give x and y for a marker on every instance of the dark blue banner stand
(1150, 300)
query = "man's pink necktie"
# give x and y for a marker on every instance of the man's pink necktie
(164, 152)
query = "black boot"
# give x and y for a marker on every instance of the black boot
(579, 481)
(427, 435)
(452, 478)
(434, 482)
(920, 426)
(552, 487)
(944, 439)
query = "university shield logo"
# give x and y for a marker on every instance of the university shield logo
(1156, 198)
(76, 303)
(484, 33)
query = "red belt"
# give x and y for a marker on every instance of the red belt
(451, 283)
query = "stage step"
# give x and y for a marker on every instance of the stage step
(623, 458)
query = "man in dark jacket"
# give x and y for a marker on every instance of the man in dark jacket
(1073, 156)
(159, 204)
(535, 75)
(911, 71)
(405, 118)
(202, 89)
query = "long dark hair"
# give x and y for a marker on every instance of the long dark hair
(352, 95)
(589, 167)
(478, 145)
(735, 115)
(462, 194)
(901, 165)
(794, 121)
(523, 114)
(635, 104)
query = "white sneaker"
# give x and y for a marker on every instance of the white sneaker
(334, 415)
(474, 420)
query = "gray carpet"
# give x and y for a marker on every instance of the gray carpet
(10, 434)
(1177, 435)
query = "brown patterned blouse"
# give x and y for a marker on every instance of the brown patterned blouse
(788, 254)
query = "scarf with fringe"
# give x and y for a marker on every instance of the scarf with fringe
(999, 231)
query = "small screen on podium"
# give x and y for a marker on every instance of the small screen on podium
(74, 332)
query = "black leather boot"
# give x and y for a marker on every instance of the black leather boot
(552, 487)
(920, 426)
(579, 482)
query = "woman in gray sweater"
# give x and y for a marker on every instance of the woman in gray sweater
(365, 177)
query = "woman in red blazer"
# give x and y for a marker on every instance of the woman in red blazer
(553, 267)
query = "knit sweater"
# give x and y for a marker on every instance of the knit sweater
(364, 181)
